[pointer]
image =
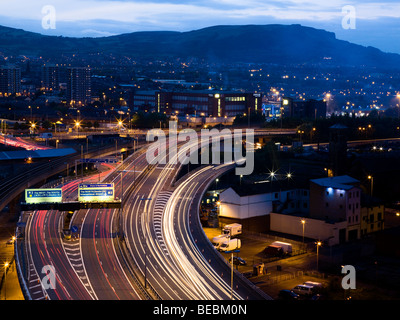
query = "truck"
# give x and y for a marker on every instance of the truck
(233, 229)
(278, 248)
(218, 240)
(231, 244)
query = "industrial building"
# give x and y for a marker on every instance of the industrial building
(199, 103)
(331, 210)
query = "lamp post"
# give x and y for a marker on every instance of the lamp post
(319, 243)
(289, 177)
(372, 184)
(77, 125)
(5, 280)
(398, 107)
(303, 222)
(231, 252)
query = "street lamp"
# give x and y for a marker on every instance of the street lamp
(120, 124)
(372, 184)
(77, 125)
(289, 177)
(318, 243)
(231, 252)
(5, 280)
(398, 107)
(303, 222)
(33, 126)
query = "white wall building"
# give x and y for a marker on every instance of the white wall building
(330, 232)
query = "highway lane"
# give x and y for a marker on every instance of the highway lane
(187, 239)
(156, 236)
(142, 228)
(98, 234)
(177, 229)
(46, 246)
(86, 266)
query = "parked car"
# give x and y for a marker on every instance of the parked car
(303, 290)
(317, 297)
(317, 287)
(288, 295)
(237, 261)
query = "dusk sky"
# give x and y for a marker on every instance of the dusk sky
(376, 23)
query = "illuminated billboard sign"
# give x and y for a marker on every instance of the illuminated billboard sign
(97, 192)
(43, 195)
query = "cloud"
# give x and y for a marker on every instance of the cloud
(105, 17)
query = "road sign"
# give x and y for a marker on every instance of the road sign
(43, 195)
(101, 160)
(74, 229)
(97, 192)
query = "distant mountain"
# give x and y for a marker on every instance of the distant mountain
(280, 44)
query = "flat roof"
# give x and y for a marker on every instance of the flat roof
(340, 182)
(34, 154)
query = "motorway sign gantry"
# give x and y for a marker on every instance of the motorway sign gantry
(96, 192)
(43, 195)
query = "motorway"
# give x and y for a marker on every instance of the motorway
(185, 237)
(157, 232)
(46, 246)
(86, 266)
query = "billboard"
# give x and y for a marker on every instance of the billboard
(97, 192)
(43, 195)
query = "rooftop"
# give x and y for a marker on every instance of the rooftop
(24, 154)
(339, 182)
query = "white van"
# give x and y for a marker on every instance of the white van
(303, 290)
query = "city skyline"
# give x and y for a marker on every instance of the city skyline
(376, 24)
